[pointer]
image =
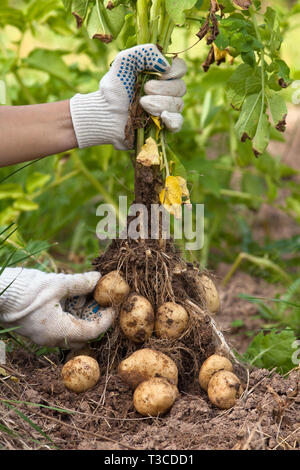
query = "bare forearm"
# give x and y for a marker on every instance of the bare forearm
(34, 131)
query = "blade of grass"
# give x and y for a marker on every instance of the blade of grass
(31, 423)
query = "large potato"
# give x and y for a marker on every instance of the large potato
(171, 320)
(211, 296)
(80, 374)
(224, 389)
(212, 365)
(154, 397)
(111, 289)
(145, 364)
(137, 318)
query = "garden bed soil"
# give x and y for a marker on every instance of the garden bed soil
(267, 416)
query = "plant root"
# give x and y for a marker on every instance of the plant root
(159, 274)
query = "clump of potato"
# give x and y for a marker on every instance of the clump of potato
(224, 389)
(111, 289)
(212, 365)
(154, 397)
(80, 373)
(211, 296)
(137, 318)
(145, 364)
(171, 320)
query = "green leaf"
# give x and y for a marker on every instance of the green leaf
(283, 73)
(37, 10)
(244, 81)
(176, 8)
(254, 124)
(97, 27)
(116, 19)
(50, 62)
(12, 16)
(24, 204)
(8, 215)
(249, 58)
(104, 24)
(79, 10)
(247, 123)
(262, 134)
(272, 350)
(36, 180)
(11, 190)
(278, 108)
(67, 4)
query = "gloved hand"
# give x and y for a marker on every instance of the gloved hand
(35, 301)
(101, 117)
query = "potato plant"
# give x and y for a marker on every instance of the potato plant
(233, 75)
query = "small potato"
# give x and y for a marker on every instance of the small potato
(111, 289)
(171, 320)
(212, 365)
(154, 397)
(224, 389)
(137, 318)
(80, 374)
(211, 296)
(146, 363)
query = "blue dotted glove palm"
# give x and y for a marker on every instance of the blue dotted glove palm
(52, 309)
(101, 117)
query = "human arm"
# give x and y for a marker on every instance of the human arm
(34, 131)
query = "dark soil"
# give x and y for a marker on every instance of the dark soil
(265, 417)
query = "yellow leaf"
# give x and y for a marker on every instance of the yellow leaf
(222, 55)
(157, 122)
(171, 196)
(149, 155)
(184, 190)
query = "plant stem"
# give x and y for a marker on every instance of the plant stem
(168, 34)
(154, 20)
(142, 22)
(261, 262)
(163, 145)
(262, 62)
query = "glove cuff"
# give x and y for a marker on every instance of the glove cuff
(95, 123)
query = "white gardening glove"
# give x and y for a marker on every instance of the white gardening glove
(35, 301)
(101, 117)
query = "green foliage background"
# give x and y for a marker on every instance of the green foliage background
(44, 57)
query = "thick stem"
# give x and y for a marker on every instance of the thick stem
(154, 20)
(143, 35)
